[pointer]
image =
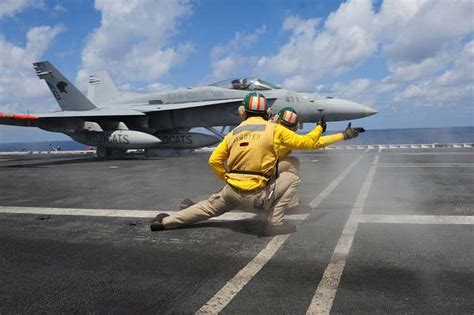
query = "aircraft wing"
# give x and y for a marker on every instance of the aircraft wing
(31, 120)
(149, 108)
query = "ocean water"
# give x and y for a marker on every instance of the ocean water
(382, 136)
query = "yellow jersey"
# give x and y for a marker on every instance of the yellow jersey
(283, 140)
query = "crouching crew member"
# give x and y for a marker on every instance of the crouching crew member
(247, 160)
(288, 118)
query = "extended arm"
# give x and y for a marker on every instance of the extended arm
(292, 140)
(324, 141)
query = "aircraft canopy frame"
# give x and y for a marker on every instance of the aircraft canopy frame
(246, 84)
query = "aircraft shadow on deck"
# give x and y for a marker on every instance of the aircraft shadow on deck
(70, 161)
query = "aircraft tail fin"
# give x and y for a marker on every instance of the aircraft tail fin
(67, 95)
(101, 88)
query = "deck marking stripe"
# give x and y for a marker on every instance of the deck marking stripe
(316, 201)
(327, 288)
(116, 213)
(225, 295)
(424, 165)
(367, 150)
(418, 219)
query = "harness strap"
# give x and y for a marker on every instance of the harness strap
(250, 173)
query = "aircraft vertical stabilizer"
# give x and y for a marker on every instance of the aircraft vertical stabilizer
(67, 95)
(101, 88)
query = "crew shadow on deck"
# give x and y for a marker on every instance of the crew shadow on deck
(254, 226)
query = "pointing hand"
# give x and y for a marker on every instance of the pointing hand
(322, 123)
(350, 133)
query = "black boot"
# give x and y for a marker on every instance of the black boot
(284, 228)
(156, 223)
(186, 203)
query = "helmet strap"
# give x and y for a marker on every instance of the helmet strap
(242, 113)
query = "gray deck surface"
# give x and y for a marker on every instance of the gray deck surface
(78, 263)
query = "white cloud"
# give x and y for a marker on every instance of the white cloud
(20, 90)
(311, 52)
(432, 27)
(453, 87)
(17, 78)
(133, 41)
(227, 58)
(12, 7)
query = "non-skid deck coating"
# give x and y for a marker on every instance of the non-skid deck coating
(391, 231)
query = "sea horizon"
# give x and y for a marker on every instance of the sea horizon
(441, 135)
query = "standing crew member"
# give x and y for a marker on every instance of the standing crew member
(251, 152)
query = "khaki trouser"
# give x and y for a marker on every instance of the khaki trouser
(290, 164)
(229, 198)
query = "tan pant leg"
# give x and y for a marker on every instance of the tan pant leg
(289, 164)
(286, 186)
(217, 204)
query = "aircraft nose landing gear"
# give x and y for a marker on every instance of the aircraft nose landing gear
(103, 153)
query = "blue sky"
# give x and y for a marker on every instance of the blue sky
(410, 59)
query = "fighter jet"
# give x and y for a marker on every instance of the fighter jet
(114, 123)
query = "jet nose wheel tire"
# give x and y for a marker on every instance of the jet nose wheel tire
(103, 153)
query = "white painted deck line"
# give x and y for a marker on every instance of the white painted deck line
(417, 219)
(225, 295)
(317, 200)
(389, 153)
(116, 213)
(427, 165)
(325, 293)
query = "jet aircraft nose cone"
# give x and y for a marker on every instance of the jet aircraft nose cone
(369, 111)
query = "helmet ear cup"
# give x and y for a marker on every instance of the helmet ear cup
(241, 111)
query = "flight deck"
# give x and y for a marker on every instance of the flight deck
(390, 231)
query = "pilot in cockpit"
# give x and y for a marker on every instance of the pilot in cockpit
(239, 84)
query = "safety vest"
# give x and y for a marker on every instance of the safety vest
(251, 150)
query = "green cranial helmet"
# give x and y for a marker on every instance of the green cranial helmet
(288, 117)
(255, 103)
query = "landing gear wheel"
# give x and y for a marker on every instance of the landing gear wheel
(103, 153)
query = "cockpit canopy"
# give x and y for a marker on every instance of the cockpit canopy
(246, 84)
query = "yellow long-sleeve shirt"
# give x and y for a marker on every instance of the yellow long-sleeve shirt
(323, 141)
(283, 140)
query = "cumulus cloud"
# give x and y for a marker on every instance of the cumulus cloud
(417, 38)
(12, 7)
(314, 51)
(133, 41)
(454, 86)
(227, 58)
(20, 90)
(17, 78)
